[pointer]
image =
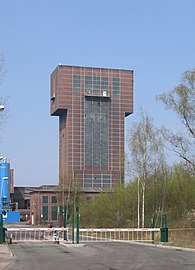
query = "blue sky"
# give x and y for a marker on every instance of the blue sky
(154, 38)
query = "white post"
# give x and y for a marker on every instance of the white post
(32, 218)
(138, 205)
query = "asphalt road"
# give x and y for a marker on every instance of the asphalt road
(99, 256)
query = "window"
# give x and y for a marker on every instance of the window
(88, 84)
(87, 180)
(107, 181)
(45, 213)
(45, 199)
(98, 181)
(97, 86)
(54, 199)
(104, 86)
(54, 213)
(116, 86)
(76, 83)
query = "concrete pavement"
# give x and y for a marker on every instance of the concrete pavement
(6, 256)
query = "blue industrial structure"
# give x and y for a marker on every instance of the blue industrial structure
(5, 179)
(5, 185)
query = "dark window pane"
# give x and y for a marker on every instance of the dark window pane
(45, 199)
(54, 212)
(116, 86)
(96, 86)
(76, 83)
(87, 180)
(45, 212)
(104, 86)
(88, 85)
(98, 181)
(54, 199)
(96, 132)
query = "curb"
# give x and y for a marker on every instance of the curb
(160, 245)
(70, 244)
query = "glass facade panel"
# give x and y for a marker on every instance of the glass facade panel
(103, 181)
(107, 181)
(97, 86)
(116, 86)
(96, 132)
(45, 212)
(88, 85)
(97, 181)
(87, 180)
(76, 83)
(104, 86)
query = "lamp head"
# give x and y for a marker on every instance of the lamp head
(2, 107)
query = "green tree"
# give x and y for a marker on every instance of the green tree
(146, 150)
(181, 100)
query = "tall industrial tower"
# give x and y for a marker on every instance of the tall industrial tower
(92, 104)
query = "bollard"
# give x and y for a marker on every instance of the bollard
(164, 234)
(1, 228)
(164, 230)
(77, 224)
(73, 227)
(10, 239)
(65, 232)
(152, 226)
(4, 230)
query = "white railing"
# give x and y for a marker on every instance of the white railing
(85, 235)
(35, 234)
(118, 234)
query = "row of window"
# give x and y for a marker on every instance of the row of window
(45, 199)
(96, 85)
(54, 213)
(98, 181)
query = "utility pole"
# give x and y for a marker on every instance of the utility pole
(138, 205)
(1, 217)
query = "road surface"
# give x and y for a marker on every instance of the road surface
(99, 256)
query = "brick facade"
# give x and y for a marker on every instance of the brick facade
(92, 104)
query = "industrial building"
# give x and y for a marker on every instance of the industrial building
(91, 104)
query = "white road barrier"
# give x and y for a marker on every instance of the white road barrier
(118, 234)
(35, 234)
(85, 235)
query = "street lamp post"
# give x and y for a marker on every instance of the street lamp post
(1, 217)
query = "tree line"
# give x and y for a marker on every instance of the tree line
(173, 195)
